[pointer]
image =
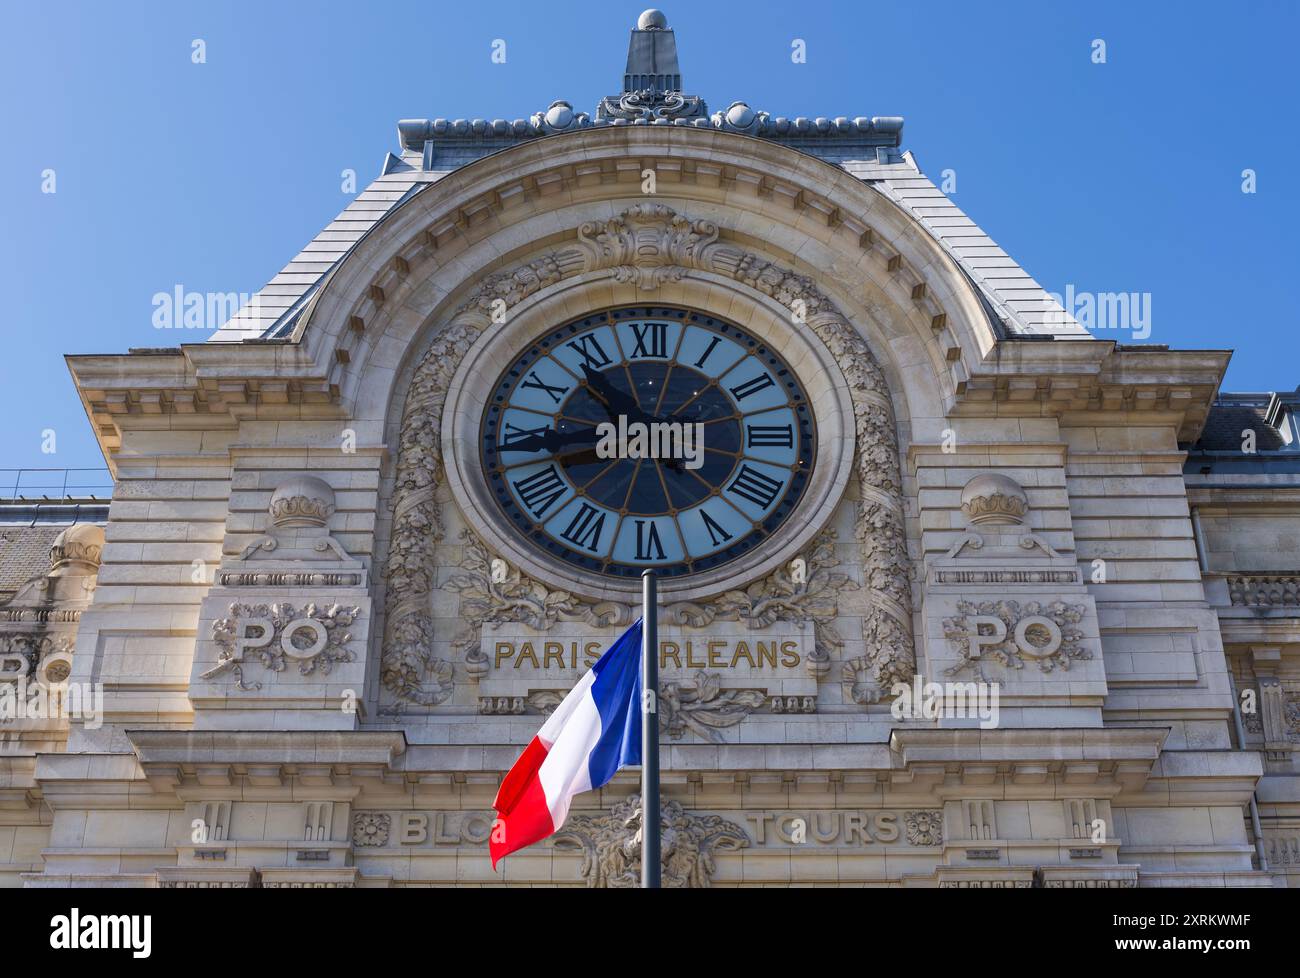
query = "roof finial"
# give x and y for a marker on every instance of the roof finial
(652, 20)
(652, 81)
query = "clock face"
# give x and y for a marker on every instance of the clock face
(647, 437)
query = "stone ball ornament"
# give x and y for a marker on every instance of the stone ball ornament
(652, 20)
(303, 500)
(992, 498)
(81, 543)
(559, 115)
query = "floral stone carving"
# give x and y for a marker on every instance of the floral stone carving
(409, 668)
(493, 591)
(313, 636)
(805, 590)
(924, 828)
(704, 707)
(611, 845)
(371, 828)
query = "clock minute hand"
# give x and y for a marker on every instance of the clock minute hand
(549, 441)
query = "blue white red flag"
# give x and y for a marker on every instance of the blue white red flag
(594, 731)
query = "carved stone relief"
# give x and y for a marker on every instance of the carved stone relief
(313, 637)
(924, 828)
(804, 590)
(491, 590)
(649, 244)
(611, 845)
(1011, 633)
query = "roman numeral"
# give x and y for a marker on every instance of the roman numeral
(540, 490)
(758, 487)
(770, 436)
(513, 433)
(588, 523)
(590, 350)
(657, 333)
(644, 541)
(705, 355)
(536, 383)
(759, 383)
(715, 531)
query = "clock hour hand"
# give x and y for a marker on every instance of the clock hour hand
(616, 402)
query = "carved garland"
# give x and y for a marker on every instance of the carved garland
(649, 244)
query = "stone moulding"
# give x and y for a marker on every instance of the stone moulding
(649, 244)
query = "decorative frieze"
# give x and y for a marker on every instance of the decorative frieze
(1265, 591)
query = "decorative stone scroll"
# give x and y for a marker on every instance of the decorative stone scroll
(611, 845)
(702, 707)
(649, 244)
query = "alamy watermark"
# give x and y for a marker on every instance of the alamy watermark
(1102, 310)
(183, 308)
(972, 700)
(24, 700)
(670, 440)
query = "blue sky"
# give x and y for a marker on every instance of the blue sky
(1123, 176)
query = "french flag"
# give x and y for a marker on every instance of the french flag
(594, 731)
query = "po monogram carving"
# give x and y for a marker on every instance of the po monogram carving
(314, 637)
(1011, 632)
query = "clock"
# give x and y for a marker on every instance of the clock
(647, 437)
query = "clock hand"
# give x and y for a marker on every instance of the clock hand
(616, 402)
(549, 440)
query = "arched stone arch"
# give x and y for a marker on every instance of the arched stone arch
(648, 245)
(810, 215)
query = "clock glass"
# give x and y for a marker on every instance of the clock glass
(647, 437)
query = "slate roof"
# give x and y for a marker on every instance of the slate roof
(868, 148)
(1232, 414)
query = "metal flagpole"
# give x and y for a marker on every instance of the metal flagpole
(650, 824)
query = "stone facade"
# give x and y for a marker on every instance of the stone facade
(319, 648)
